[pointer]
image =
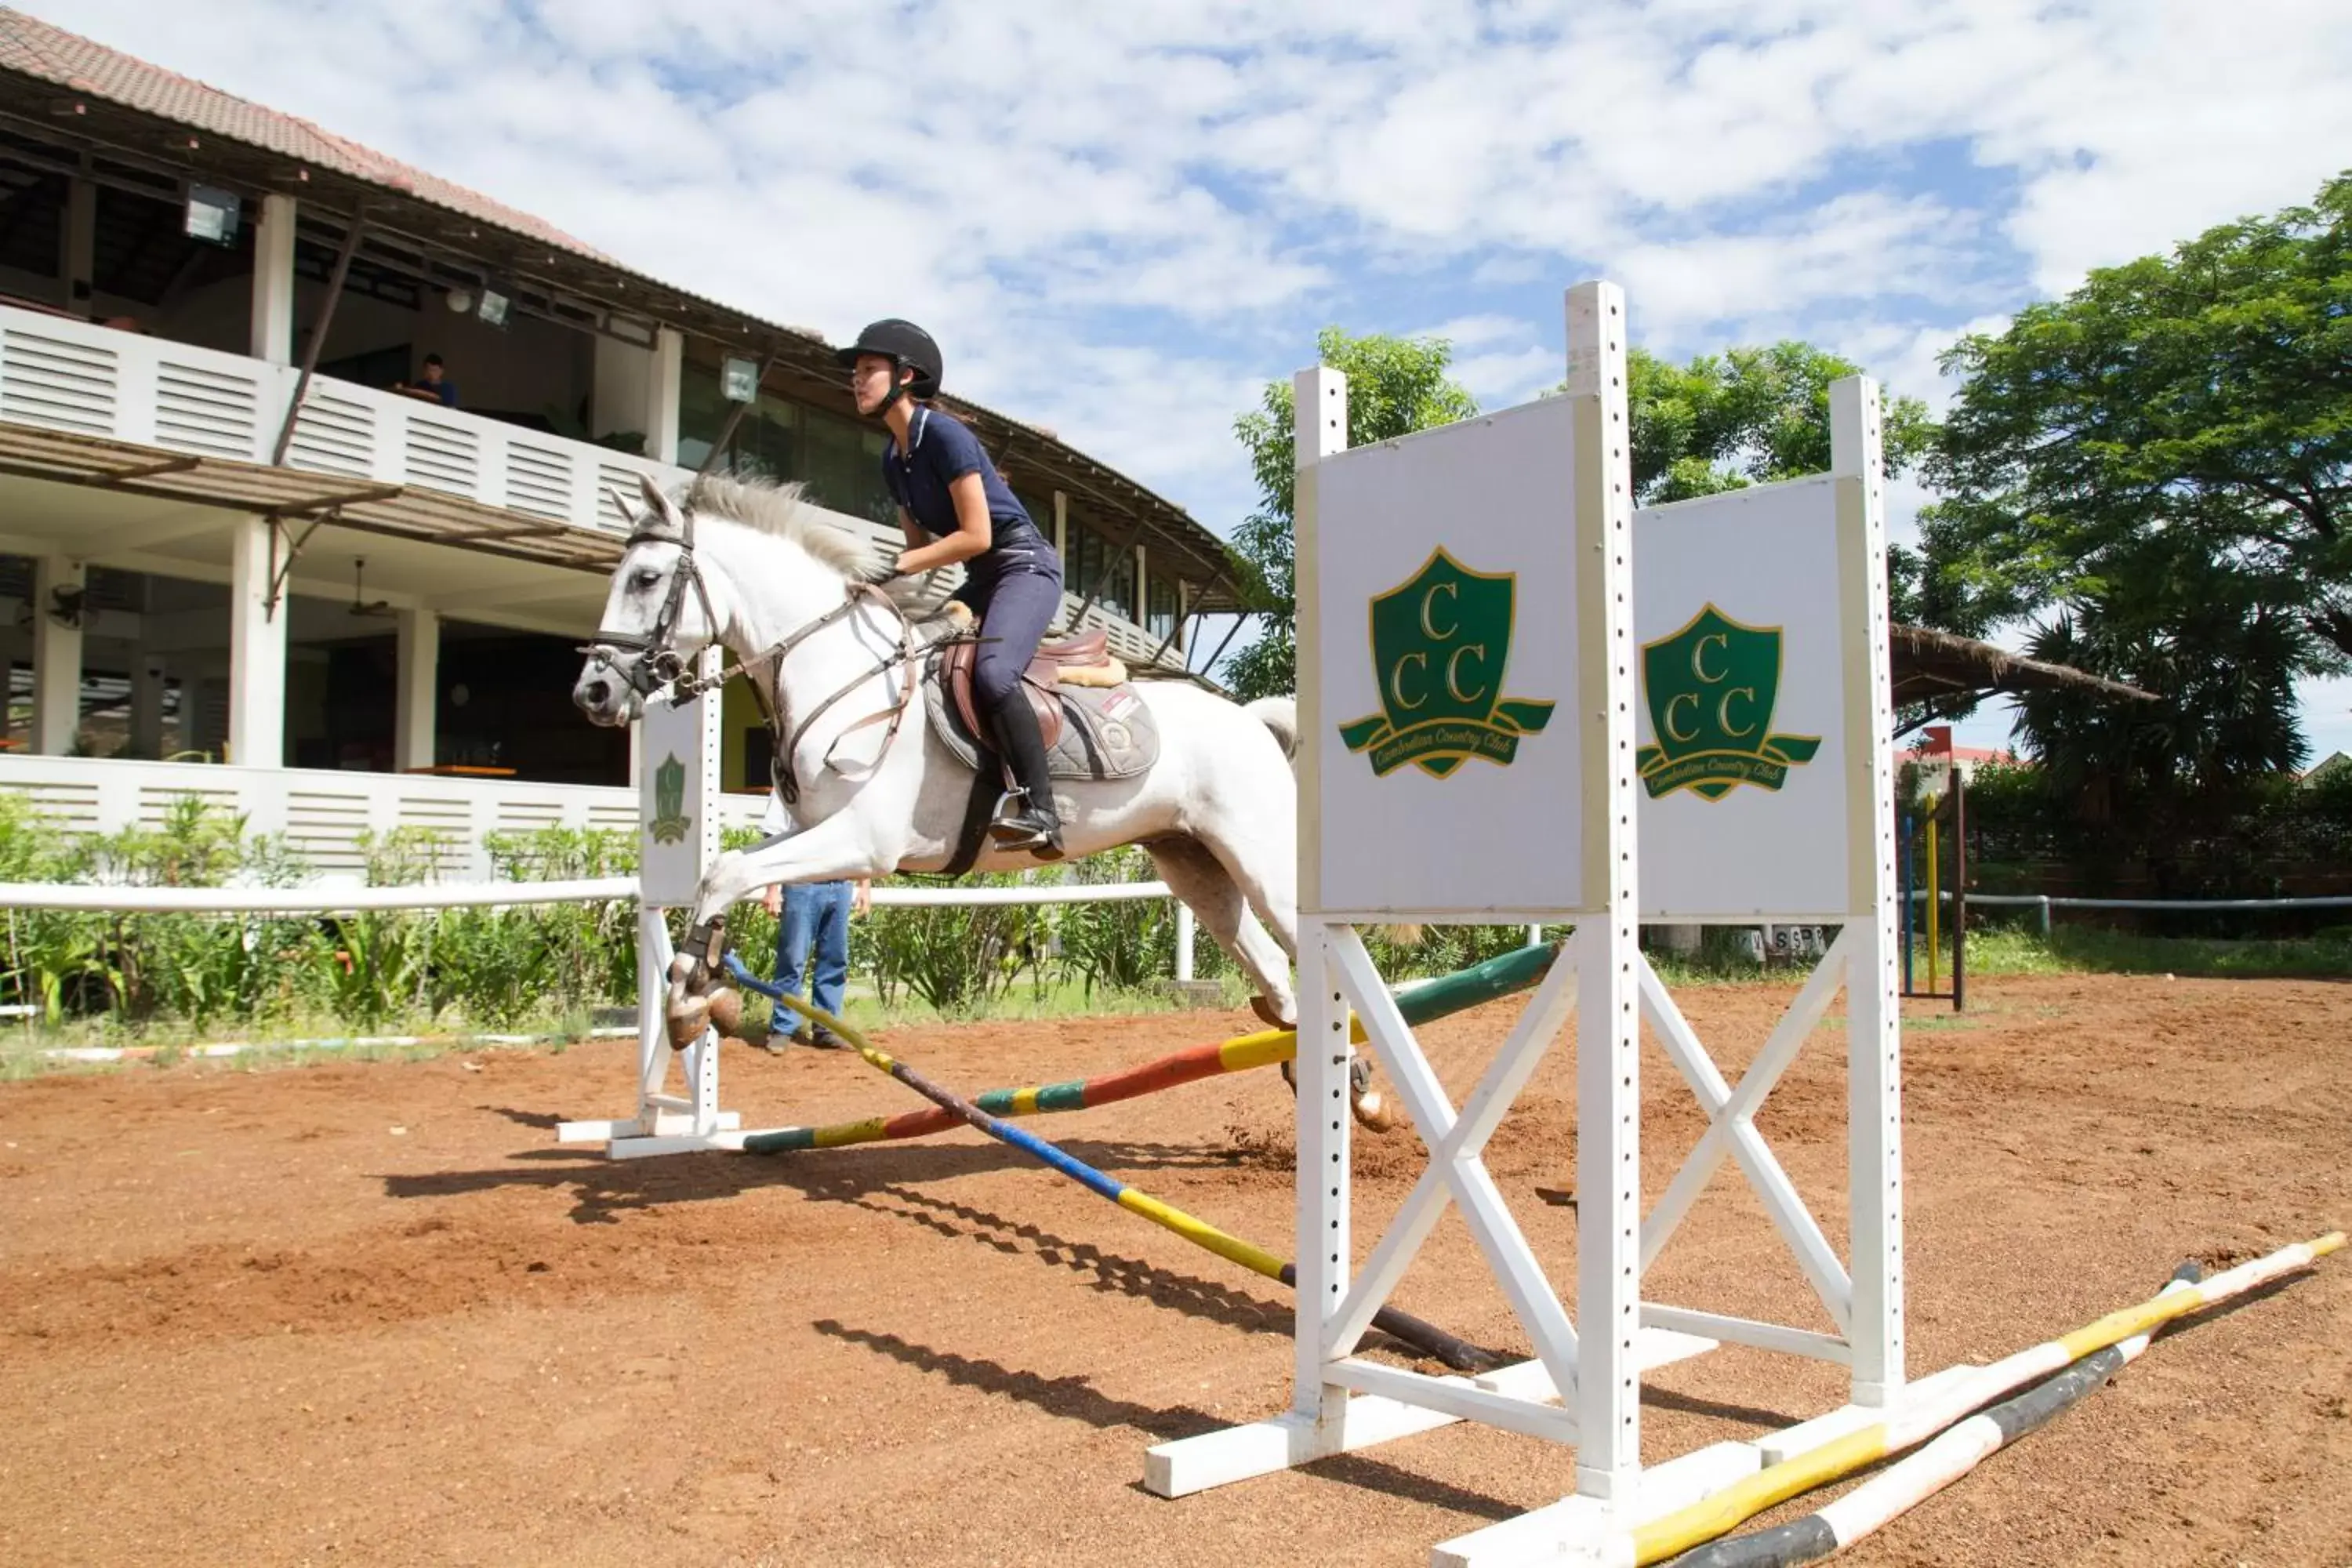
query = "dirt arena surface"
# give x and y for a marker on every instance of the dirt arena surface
(369, 1312)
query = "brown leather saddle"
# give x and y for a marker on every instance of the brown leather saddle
(1082, 661)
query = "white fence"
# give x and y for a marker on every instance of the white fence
(326, 814)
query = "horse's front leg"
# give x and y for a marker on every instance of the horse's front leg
(844, 845)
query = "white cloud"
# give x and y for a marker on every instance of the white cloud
(1123, 220)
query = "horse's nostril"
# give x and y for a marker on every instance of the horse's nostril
(597, 692)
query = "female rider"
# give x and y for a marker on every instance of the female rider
(953, 506)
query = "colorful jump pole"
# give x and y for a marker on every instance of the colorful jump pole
(1457, 1353)
(1501, 976)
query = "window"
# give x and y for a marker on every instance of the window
(1090, 552)
(844, 466)
(838, 458)
(1160, 610)
(1040, 509)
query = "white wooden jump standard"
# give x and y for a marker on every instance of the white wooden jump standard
(677, 836)
(1803, 841)
(1540, 497)
(1794, 576)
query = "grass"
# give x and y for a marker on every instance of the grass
(1992, 951)
(2090, 949)
(2067, 950)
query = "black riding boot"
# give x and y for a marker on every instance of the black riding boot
(1025, 818)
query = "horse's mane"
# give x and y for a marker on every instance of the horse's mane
(783, 511)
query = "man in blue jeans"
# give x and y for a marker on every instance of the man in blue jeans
(813, 915)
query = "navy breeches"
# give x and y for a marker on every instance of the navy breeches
(1015, 611)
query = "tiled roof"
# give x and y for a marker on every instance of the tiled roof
(36, 48)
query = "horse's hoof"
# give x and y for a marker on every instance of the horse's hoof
(1372, 1112)
(1265, 1010)
(726, 1010)
(687, 1021)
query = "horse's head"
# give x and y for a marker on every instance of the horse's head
(656, 615)
(741, 561)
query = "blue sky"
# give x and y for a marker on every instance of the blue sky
(1123, 220)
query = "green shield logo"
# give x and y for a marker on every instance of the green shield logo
(670, 824)
(1710, 689)
(1441, 644)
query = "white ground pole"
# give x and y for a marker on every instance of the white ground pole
(1558, 848)
(677, 840)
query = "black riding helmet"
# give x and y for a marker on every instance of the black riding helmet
(903, 343)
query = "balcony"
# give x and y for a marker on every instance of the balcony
(90, 406)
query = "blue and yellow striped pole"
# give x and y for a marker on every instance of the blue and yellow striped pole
(1456, 1353)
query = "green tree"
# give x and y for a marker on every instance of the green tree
(2142, 779)
(2199, 402)
(1755, 415)
(1395, 386)
(2159, 464)
(1749, 415)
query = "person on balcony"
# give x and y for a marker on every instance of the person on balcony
(954, 507)
(433, 383)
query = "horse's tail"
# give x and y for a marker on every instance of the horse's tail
(1280, 715)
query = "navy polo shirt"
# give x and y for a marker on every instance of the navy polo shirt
(942, 449)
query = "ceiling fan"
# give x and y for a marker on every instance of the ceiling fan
(360, 607)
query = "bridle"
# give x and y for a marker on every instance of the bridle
(658, 666)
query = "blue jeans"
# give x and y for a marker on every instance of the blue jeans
(816, 914)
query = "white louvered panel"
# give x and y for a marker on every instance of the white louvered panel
(617, 818)
(444, 457)
(69, 808)
(527, 816)
(334, 436)
(449, 813)
(609, 480)
(57, 383)
(325, 828)
(156, 802)
(538, 481)
(199, 409)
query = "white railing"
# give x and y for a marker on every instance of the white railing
(327, 900)
(324, 815)
(2046, 902)
(57, 373)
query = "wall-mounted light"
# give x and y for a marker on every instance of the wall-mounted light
(494, 305)
(738, 379)
(212, 215)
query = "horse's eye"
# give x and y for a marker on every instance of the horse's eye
(645, 579)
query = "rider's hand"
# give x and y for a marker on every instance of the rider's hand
(772, 899)
(861, 900)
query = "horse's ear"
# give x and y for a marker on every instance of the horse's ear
(622, 505)
(660, 508)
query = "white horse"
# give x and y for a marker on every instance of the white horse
(753, 567)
